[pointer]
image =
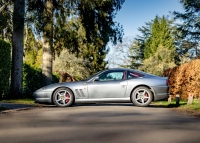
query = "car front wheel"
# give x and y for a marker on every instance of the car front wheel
(141, 96)
(63, 97)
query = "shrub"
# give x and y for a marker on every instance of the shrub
(184, 79)
(5, 67)
(32, 80)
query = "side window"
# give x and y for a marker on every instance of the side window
(113, 75)
(132, 74)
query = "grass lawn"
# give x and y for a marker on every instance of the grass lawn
(20, 101)
(183, 108)
(17, 101)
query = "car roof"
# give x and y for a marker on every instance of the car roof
(118, 69)
(132, 70)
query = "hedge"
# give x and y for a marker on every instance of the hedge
(5, 67)
(185, 79)
(32, 80)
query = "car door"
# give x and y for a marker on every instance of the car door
(111, 84)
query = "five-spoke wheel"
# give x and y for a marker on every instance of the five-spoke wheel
(141, 96)
(63, 97)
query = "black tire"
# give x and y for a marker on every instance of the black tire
(63, 97)
(141, 96)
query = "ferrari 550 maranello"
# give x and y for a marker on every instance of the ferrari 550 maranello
(111, 85)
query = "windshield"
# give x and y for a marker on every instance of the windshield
(92, 76)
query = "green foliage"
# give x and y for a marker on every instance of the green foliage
(97, 19)
(32, 80)
(188, 31)
(83, 27)
(6, 14)
(163, 59)
(136, 54)
(156, 48)
(160, 36)
(144, 51)
(3, 22)
(69, 63)
(5, 67)
(33, 49)
(20, 101)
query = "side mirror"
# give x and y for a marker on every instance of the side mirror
(96, 79)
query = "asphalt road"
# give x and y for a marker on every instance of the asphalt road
(98, 123)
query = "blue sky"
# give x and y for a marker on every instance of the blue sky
(135, 13)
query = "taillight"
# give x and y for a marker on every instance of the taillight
(167, 82)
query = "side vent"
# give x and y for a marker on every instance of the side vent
(77, 93)
(80, 93)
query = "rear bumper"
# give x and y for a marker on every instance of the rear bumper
(160, 92)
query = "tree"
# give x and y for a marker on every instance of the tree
(17, 49)
(47, 60)
(3, 21)
(6, 13)
(189, 30)
(155, 34)
(32, 49)
(84, 27)
(160, 42)
(126, 54)
(118, 55)
(97, 18)
(160, 35)
(161, 60)
(136, 54)
(71, 64)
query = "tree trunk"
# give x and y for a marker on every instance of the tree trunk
(17, 49)
(48, 43)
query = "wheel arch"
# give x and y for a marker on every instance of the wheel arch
(153, 93)
(61, 87)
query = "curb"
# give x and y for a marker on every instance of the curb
(15, 110)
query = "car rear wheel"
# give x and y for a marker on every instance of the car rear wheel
(141, 96)
(63, 97)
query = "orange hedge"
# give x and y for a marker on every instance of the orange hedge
(184, 79)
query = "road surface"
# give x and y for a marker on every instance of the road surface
(98, 123)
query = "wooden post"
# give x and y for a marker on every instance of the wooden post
(170, 99)
(177, 99)
(190, 99)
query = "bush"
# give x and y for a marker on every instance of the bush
(32, 80)
(5, 67)
(163, 59)
(184, 79)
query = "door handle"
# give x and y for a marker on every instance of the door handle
(123, 85)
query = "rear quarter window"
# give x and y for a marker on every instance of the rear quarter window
(132, 74)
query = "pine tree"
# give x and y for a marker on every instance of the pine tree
(188, 31)
(160, 36)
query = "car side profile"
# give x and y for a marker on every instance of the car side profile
(110, 85)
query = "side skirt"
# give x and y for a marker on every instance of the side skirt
(104, 100)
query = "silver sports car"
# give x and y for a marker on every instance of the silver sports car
(111, 85)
